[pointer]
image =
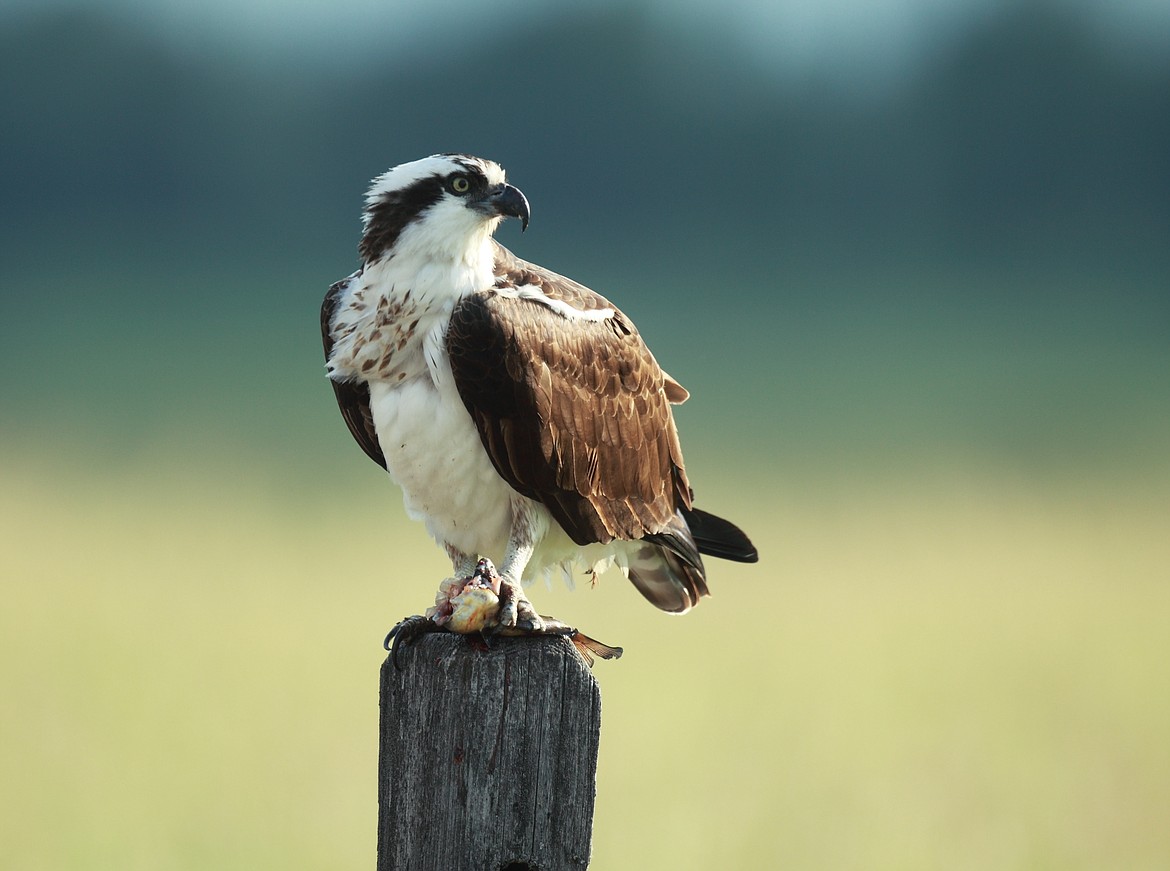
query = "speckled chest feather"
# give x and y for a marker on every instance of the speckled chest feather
(377, 336)
(392, 340)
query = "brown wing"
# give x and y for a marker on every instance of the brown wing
(353, 397)
(573, 412)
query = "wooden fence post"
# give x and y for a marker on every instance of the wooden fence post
(488, 758)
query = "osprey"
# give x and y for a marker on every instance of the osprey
(520, 413)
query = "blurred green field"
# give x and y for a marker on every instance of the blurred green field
(950, 667)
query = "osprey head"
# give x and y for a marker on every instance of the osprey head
(446, 201)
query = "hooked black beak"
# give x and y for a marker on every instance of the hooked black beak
(507, 201)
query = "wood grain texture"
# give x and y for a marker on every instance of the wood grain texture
(488, 758)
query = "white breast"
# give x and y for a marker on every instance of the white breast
(434, 454)
(389, 333)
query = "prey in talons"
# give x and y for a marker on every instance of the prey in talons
(480, 605)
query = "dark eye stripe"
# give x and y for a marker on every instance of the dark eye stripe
(389, 215)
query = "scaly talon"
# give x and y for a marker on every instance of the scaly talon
(406, 632)
(527, 619)
(516, 612)
(485, 604)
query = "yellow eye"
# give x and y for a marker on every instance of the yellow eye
(460, 184)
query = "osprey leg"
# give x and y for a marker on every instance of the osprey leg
(527, 528)
(463, 564)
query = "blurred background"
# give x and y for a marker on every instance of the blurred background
(911, 258)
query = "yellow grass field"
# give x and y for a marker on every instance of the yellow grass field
(953, 667)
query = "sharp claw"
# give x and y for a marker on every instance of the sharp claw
(516, 612)
(405, 633)
(507, 614)
(475, 611)
(528, 621)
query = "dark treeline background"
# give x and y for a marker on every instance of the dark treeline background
(1030, 134)
(1014, 182)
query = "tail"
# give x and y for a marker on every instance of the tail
(667, 567)
(715, 536)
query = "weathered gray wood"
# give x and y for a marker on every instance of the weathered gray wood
(488, 758)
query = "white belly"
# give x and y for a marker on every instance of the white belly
(434, 454)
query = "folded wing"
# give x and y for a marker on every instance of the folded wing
(570, 404)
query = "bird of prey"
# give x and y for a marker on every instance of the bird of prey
(521, 413)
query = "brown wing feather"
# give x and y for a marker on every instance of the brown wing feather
(353, 397)
(574, 413)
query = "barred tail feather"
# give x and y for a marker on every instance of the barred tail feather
(667, 567)
(667, 581)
